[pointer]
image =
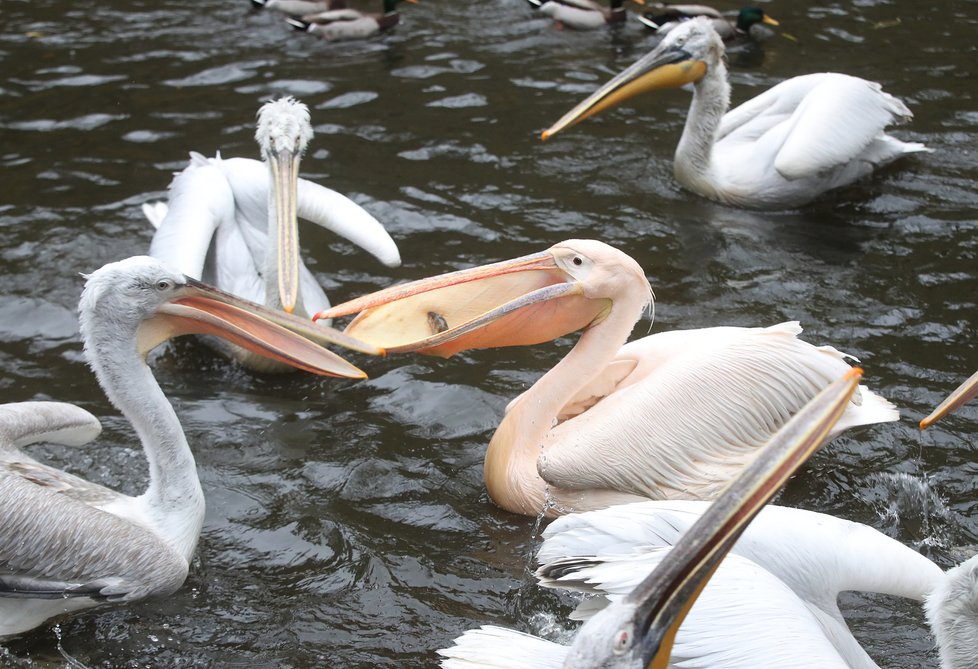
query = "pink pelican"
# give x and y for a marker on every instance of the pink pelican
(673, 415)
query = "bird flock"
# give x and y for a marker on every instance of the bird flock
(652, 455)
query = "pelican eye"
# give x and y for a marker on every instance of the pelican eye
(164, 284)
(622, 642)
(578, 260)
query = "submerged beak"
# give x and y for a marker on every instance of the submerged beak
(961, 396)
(649, 617)
(665, 66)
(200, 309)
(517, 302)
(285, 179)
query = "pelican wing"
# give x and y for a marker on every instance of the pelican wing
(491, 647)
(340, 214)
(816, 555)
(23, 423)
(745, 617)
(55, 548)
(816, 123)
(200, 200)
(697, 406)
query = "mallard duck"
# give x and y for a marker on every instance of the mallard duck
(350, 24)
(583, 14)
(299, 7)
(749, 22)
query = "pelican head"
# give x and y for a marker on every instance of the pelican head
(683, 56)
(527, 300)
(283, 133)
(161, 303)
(637, 632)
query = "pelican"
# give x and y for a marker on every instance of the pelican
(782, 149)
(779, 584)
(639, 630)
(796, 563)
(749, 21)
(232, 222)
(68, 544)
(672, 415)
(583, 14)
(349, 24)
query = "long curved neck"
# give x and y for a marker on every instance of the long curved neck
(511, 461)
(711, 99)
(174, 501)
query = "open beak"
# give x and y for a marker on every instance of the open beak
(666, 66)
(961, 396)
(649, 617)
(200, 309)
(519, 302)
(285, 180)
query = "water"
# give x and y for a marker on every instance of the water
(347, 524)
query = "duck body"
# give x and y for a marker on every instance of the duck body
(748, 24)
(582, 14)
(350, 24)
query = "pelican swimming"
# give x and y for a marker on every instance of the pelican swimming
(68, 544)
(350, 24)
(583, 14)
(749, 22)
(628, 632)
(672, 415)
(794, 562)
(780, 583)
(782, 149)
(232, 223)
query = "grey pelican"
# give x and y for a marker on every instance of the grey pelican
(68, 544)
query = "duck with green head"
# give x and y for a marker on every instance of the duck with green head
(350, 24)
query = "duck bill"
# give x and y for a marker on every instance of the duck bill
(656, 607)
(668, 67)
(200, 309)
(961, 396)
(519, 302)
(769, 21)
(285, 179)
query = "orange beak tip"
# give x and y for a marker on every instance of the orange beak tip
(544, 135)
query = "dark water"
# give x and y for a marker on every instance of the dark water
(347, 524)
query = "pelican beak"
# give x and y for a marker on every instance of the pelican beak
(666, 66)
(200, 309)
(519, 302)
(645, 622)
(285, 180)
(961, 396)
(768, 20)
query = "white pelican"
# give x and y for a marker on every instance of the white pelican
(350, 24)
(783, 148)
(232, 222)
(68, 544)
(672, 415)
(772, 602)
(791, 556)
(631, 632)
(749, 22)
(583, 14)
